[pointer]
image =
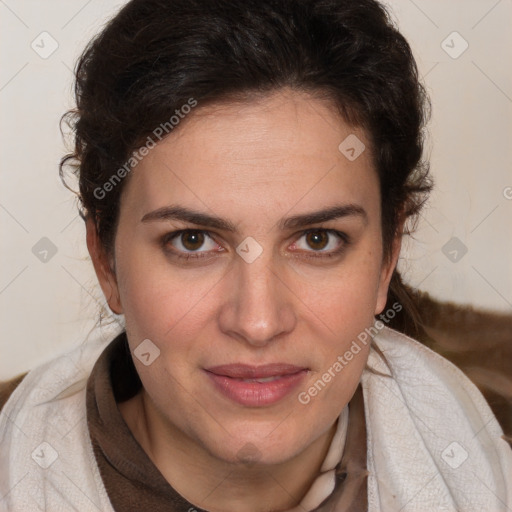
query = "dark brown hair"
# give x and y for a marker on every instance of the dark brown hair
(155, 55)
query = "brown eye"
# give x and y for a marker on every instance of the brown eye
(317, 243)
(317, 240)
(192, 240)
(190, 243)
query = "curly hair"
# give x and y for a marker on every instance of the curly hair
(155, 55)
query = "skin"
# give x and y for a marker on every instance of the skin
(254, 164)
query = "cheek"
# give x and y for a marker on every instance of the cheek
(157, 299)
(349, 296)
(345, 307)
(348, 314)
(343, 348)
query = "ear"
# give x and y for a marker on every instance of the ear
(103, 267)
(387, 269)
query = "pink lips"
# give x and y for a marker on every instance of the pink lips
(256, 386)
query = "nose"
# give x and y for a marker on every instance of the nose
(259, 304)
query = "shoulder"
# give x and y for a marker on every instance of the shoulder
(63, 375)
(407, 358)
(425, 417)
(45, 424)
(424, 373)
(429, 383)
(7, 387)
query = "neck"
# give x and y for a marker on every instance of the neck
(218, 485)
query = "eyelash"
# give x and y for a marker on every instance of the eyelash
(204, 254)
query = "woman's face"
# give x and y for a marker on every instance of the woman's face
(248, 294)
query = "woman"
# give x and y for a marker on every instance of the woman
(247, 170)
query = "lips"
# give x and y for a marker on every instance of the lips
(256, 386)
(244, 371)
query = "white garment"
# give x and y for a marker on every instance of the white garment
(433, 442)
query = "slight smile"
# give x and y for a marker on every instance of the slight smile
(256, 386)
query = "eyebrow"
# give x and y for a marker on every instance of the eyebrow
(294, 222)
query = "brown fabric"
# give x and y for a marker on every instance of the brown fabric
(7, 387)
(479, 342)
(132, 480)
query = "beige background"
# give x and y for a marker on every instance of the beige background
(46, 307)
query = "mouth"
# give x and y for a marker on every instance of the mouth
(256, 386)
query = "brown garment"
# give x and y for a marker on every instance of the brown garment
(131, 479)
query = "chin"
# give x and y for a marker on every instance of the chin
(257, 449)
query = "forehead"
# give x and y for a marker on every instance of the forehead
(275, 153)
